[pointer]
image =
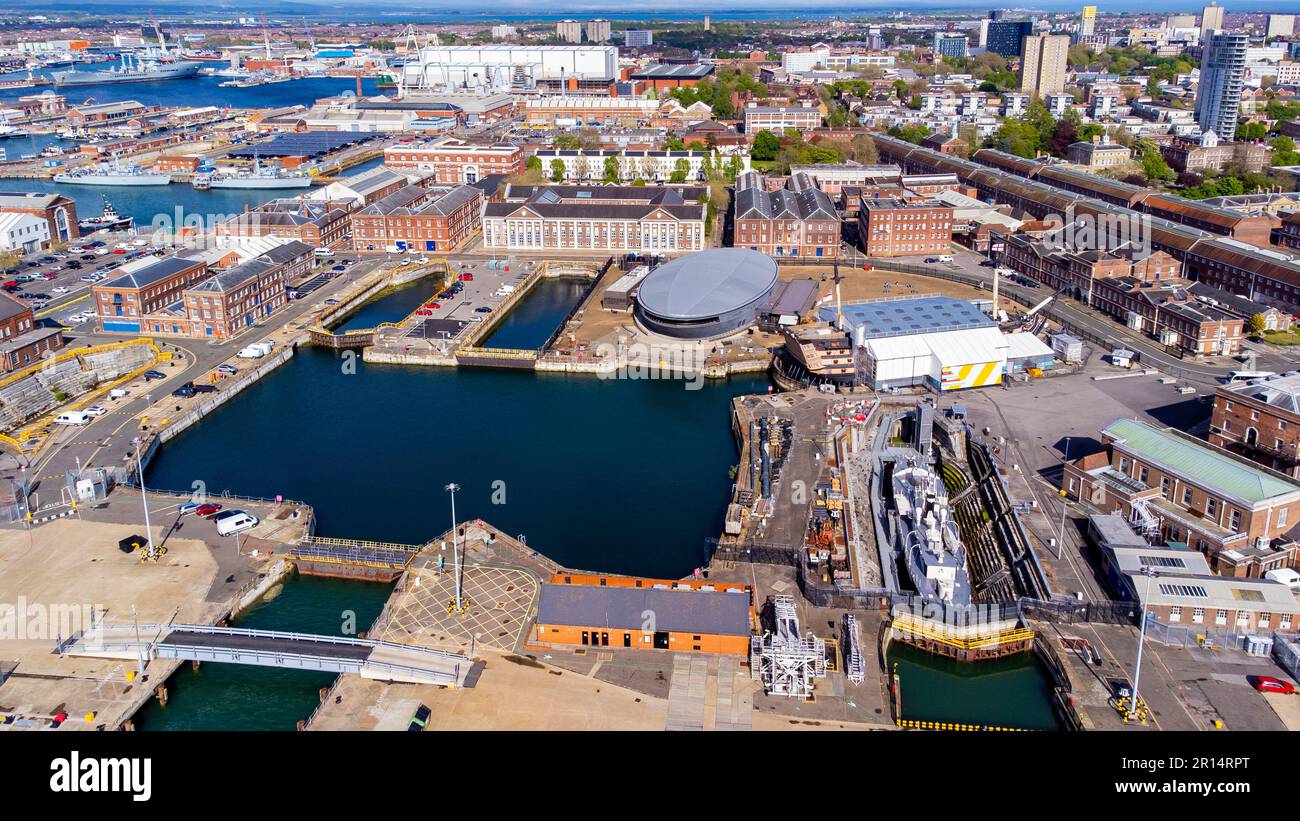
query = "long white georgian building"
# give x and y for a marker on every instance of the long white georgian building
(604, 218)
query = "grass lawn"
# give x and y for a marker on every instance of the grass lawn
(1282, 337)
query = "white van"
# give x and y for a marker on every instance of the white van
(323, 252)
(117, 393)
(73, 418)
(238, 523)
(945, 258)
(255, 351)
(1244, 376)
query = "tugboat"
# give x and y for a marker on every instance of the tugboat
(108, 220)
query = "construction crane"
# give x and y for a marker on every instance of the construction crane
(266, 38)
(162, 41)
(311, 40)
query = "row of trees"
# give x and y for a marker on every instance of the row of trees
(713, 168)
(792, 149)
(716, 91)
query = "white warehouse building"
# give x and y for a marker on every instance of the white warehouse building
(938, 342)
(506, 67)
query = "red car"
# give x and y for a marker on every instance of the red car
(119, 250)
(424, 312)
(468, 277)
(435, 305)
(208, 509)
(1268, 684)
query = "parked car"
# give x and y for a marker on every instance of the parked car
(208, 509)
(485, 309)
(96, 410)
(227, 369)
(1268, 684)
(185, 391)
(420, 719)
(148, 375)
(188, 508)
(468, 277)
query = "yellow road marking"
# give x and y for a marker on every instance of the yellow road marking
(60, 307)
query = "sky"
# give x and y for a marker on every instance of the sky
(550, 9)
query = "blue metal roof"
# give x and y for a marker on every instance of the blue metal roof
(900, 317)
(707, 283)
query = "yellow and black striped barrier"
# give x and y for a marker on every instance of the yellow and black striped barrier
(952, 726)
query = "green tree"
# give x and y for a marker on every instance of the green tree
(557, 170)
(681, 169)
(1154, 167)
(611, 169)
(911, 133)
(765, 147)
(565, 142)
(1255, 326)
(534, 164)
(1284, 152)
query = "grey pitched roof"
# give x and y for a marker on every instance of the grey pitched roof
(148, 275)
(675, 611)
(232, 278)
(801, 201)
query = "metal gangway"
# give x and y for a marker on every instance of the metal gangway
(369, 658)
(785, 660)
(853, 651)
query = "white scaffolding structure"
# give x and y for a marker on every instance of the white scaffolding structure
(1146, 522)
(785, 660)
(852, 651)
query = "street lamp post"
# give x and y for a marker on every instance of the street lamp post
(1149, 572)
(148, 532)
(1060, 539)
(455, 547)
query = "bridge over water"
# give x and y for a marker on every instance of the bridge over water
(379, 660)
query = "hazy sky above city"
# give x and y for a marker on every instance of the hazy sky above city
(547, 9)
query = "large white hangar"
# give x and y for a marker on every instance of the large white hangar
(707, 294)
(938, 342)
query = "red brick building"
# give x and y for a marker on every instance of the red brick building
(796, 221)
(452, 161)
(894, 227)
(1234, 511)
(1261, 421)
(321, 224)
(22, 343)
(58, 211)
(144, 288)
(227, 302)
(418, 219)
